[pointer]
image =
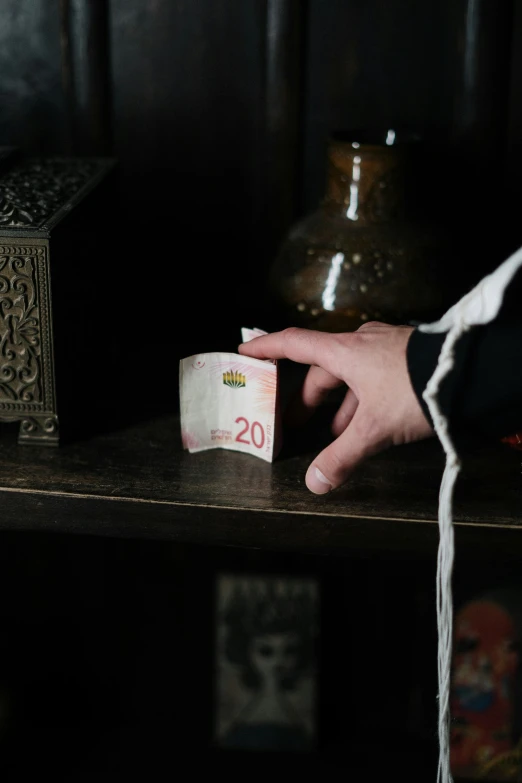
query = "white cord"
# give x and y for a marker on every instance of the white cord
(446, 549)
(480, 306)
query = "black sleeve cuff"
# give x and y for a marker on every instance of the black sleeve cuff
(422, 357)
(483, 392)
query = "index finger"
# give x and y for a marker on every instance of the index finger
(304, 346)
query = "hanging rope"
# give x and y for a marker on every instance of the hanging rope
(480, 306)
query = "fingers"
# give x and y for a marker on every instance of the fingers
(300, 345)
(345, 413)
(333, 465)
(371, 326)
(316, 387)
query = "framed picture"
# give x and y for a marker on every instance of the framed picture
(265, 663)
(486, 693)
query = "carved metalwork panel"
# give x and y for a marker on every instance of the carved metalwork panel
(34, 190)
(35, 194)
(26, 371)
(39, 429)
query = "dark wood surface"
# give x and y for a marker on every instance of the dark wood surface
(138, 482)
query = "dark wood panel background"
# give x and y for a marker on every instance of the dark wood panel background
(33, 112)
(375, 64)
(219, 112)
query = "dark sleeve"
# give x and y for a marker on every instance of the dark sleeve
(483, 392)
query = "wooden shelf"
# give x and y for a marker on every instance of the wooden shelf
(138, 482)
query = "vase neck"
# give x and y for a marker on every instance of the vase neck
(366, 183)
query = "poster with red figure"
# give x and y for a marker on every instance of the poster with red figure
(485, 692)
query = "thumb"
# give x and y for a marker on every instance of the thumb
(334, 464)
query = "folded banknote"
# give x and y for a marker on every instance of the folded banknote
(229, 401)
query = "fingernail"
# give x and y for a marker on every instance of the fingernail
(317, 482)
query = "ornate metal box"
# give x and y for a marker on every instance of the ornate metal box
(49, 237)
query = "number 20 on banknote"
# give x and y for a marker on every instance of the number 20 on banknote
(230, 401)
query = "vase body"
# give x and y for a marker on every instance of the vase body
(368, 252)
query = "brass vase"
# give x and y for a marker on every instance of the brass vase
(368, 252)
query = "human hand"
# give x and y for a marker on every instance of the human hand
(380, 408)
